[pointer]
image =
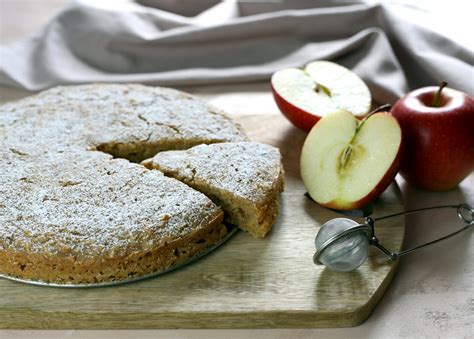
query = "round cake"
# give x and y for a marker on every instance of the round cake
(76, 208)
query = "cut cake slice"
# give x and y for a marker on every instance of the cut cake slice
(244, 178)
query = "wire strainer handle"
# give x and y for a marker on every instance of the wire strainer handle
(464, 211)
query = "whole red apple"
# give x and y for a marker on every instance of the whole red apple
(438, 132)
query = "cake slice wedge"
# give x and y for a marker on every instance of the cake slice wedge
(244, 178)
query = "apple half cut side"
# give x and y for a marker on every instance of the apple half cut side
(347, 163)
(306, 95)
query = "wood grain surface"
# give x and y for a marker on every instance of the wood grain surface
(246, 283)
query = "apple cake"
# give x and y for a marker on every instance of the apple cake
(75, 208)
(244, 178)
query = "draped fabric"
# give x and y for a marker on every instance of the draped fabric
(231, 42)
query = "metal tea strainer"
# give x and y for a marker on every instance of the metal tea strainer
(342, 244)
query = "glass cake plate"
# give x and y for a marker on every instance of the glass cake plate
(231, 230)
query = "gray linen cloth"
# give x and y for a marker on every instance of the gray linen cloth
(230, 42)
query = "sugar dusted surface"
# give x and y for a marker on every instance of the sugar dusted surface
(247, 169)
(59, 196)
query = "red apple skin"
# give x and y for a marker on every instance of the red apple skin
(438, 141)
(377, 190)
(301, 119)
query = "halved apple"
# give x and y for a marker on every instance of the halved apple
(322, 87)
(347, 163)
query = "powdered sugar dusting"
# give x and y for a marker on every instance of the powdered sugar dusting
(247, 169)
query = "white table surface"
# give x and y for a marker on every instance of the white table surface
(432, 294)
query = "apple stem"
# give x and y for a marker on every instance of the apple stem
(383, 108)
(437, 98)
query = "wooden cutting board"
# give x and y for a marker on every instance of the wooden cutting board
(246, 283)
